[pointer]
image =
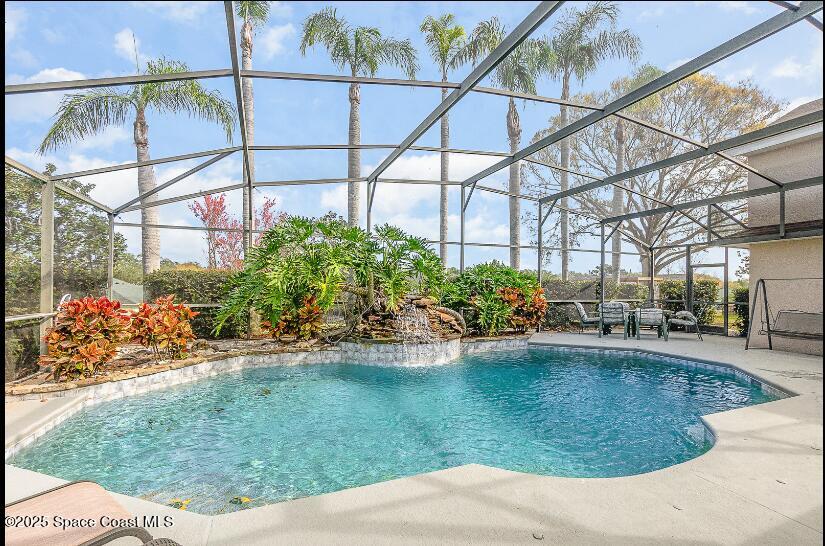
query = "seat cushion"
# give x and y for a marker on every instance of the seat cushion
(83, 500)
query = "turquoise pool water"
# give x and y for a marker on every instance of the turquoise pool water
(278, 433)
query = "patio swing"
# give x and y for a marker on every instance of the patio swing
(787, 323)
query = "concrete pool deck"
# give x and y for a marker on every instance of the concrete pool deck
(761, 483)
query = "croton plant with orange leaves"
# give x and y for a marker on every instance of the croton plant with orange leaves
(528, 305)
(164, 327)
(85, 335)
(303, 323)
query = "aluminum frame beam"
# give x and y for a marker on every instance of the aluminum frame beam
(747, 138)
(46, 179)
(236, 76)
(793, 7)
(186, 197)
(174, 180)
(767, 190)
(540, 14)
(69, 85)
(734, 45)
(534, 20)
(136, 164)
(734, 241)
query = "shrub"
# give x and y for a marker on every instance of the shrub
(85, 335)
(303, 323)
(164, 327)
(586, 289)
(492, 313)
(302, 263)
(558, 316)
(704, 291)
(498, 296)
(204, 286)
(741, 309)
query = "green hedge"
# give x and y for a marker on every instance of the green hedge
(741, 308)
(704, 290)
(557, 289)
(196, 286)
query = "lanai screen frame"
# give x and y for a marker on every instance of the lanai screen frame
(792, 14)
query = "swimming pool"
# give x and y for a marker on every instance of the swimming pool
(282, 432)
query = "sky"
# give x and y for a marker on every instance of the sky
(48, 41)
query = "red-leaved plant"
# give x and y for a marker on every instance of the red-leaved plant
(164, 327)
(85, 335)
(303, 323)
(527, 311)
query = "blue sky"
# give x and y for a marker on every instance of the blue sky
(52, 41)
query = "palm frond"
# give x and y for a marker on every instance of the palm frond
(443, 38)
(400, 53)
(484, 38)
(85, 114)
(327, 29)
(256, 12)
(186, 96)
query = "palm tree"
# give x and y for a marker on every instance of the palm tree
(362, 50)
(85, 114)
(444, 40)
(581, 40)
(641, 76)
(517, 72)
(254, 14)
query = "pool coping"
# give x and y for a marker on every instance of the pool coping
(732, 489)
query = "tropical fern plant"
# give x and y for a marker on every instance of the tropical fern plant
(298, 259)
(301, 267)
(405, 263)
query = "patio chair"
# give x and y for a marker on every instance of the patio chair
(651, 317)
(613, 313)
(73, 500)
(584, 319)
(686, 319)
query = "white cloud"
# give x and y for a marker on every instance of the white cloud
(280, 9)
(742, 7)
(111, 188)
(272, 40)
(792, 68)
(15, 20)
(24, 57)
(52, 36)
(414, 207)
(746, 8)
(182, 12)
(739, 75)
(104, 140)
(37, 107)
(127, 45)
(652, 13)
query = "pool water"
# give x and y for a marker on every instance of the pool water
(277, 433)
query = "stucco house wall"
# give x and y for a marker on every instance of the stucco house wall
(792, 259)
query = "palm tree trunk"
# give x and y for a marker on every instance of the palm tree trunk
(564, 182)
(618, 201)
(150, 237)
(249, 114)
(354, 155)
(445, 176)
(514, 135)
